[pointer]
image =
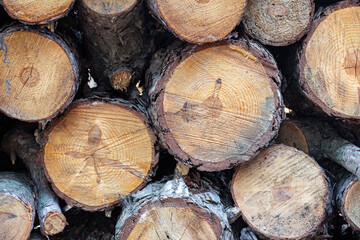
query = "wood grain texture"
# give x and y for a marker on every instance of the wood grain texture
(278, 22)
(39, 74)
(173, 210)
(282, 193)
(17, 206)
(328, 61)
(214, 105)
(98, 151)
(37, 12)
(198, 21)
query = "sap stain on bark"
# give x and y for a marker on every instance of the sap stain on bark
(7, 85)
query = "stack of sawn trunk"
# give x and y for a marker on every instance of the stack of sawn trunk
(169, 116)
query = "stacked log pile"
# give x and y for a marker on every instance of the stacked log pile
(195, 119)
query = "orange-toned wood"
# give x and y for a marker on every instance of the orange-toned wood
(98, 152)
(39, 74)
(37, 12)
(216, 105)
(198, 21)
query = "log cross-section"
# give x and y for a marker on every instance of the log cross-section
(98, 152)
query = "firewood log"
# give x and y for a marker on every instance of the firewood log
(38, 74)
(278, 22)
(97, 152)
(214, 105)
(37, 12)
(282, 194)
(17, 206)
(116, 40)
(174, 210)
(326, 68)
(52, 220)
(198, 21)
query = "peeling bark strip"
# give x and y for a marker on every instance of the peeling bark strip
(198, 21)
(282, 193)
(321, 141)
(17, 206)
(37, 12)
(98, 150)
(278, 22)
(173, 210)
(39, 74)
(115, 37)
(51, 219)
(215, 105)
(327, 66)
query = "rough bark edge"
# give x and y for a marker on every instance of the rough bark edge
(286, 43)
(26, 191)
(133, 108)
(155, 12)
(44, 21)
(300, 64)
(47, 204)
(321, 226)
(341, 190)
(172, 193)
(71, 56)
(158, 76)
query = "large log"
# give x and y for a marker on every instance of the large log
(326, 70)
(37, 12)
(319, 140)
(116, 41)
(52, 220)
(198, 21)
(174, 210)
(278, 22)
(38, 75)
(17, 206)
(282, 193)
(214, 105)
(98, 151)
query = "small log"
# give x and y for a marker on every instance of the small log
(347, 195)
(97, 151)
(116, 41)
(327, 70)
(173, 210)
(278, 22)
(214, 105)
(37, 12)
(282, 193)
(319, 140)
(38, 75)
(17, 206)
(52, 220)
(198, 21)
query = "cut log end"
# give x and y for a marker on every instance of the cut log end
(278, 22)
(209, 114)
(121, 80)
(282, 193)
(110, 7)
(16, 223)
(34, 87)
(181, 222)
(199, 21)
(291, 135)
(98, 151)
(37, 12)
(351, 205)
(330, 61)
(54, 223)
